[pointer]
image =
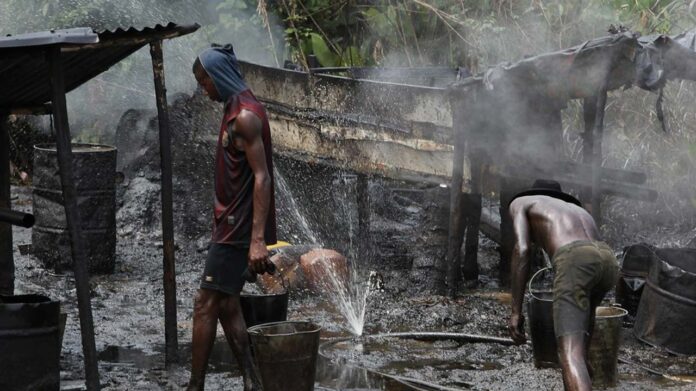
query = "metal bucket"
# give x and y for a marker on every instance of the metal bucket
(540, 314)
(259, 309)
(667, 310)
(286, 354)
(94, 170)
(29, 343)
(604, 346)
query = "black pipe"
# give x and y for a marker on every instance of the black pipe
(25, 220)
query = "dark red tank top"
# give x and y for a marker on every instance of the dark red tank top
(234, 180)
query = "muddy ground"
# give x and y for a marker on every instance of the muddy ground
(128, 316)
(407, 234)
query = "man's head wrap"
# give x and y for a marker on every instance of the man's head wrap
(221, 65)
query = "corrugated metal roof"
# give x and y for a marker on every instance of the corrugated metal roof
(24, 68)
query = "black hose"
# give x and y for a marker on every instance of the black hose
(25, 220)
(439, 336)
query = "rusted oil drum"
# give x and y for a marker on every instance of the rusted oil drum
(286, 354)
(260, 309)
(667, 311)
(94, 173)
(29, 343)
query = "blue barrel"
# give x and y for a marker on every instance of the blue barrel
(29, 343)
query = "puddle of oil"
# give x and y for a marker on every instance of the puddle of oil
(423, 354)
(221, 358)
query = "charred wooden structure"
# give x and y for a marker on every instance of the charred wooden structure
(37, 71)
(492, 132)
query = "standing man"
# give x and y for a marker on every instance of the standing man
(244, 214)
(585, 270)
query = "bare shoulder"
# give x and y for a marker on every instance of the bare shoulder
(519, 205)
(247, 123)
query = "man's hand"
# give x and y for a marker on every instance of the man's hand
(516, 328)
(258, 257)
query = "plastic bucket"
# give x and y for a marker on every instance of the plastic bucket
(259, 309)
(604, 347)
(540, 314)
(286, 354)
(29, 343)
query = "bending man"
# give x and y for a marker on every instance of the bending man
(585, 270)
(244, 214)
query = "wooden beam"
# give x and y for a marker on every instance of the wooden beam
(597, 135)
(7, 268)
(456, 218)
(169, 278)
(72, 214)
(472, 208)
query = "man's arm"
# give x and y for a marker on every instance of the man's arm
(248, 127)
(520, 269)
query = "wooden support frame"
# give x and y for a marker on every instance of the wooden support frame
(472, 210)
(72, 214)
(450, 286)
(6, 256)
(169, 275)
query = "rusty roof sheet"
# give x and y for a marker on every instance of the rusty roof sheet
(24, 69)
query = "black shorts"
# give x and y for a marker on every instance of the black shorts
(224, 268)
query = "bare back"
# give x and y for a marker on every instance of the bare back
(551, 223)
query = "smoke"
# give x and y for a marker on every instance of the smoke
(95, 107)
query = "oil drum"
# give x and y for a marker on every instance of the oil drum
(29, 343)
(94, 174)
(667, 310)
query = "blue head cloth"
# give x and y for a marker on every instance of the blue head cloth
(221, 65)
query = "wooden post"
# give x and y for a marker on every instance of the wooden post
(169, 279)
(454, 240)
(72, 214)
(589, 108)
(597, 135)
(509, 187)
(6, 256)
(470, 270)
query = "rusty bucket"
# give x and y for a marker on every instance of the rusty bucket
(604, 346)
(286, 354)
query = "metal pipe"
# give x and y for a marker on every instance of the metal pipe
(440, 336)
(6, 256)
(25, 220)
(169, 276)
(72, 214)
